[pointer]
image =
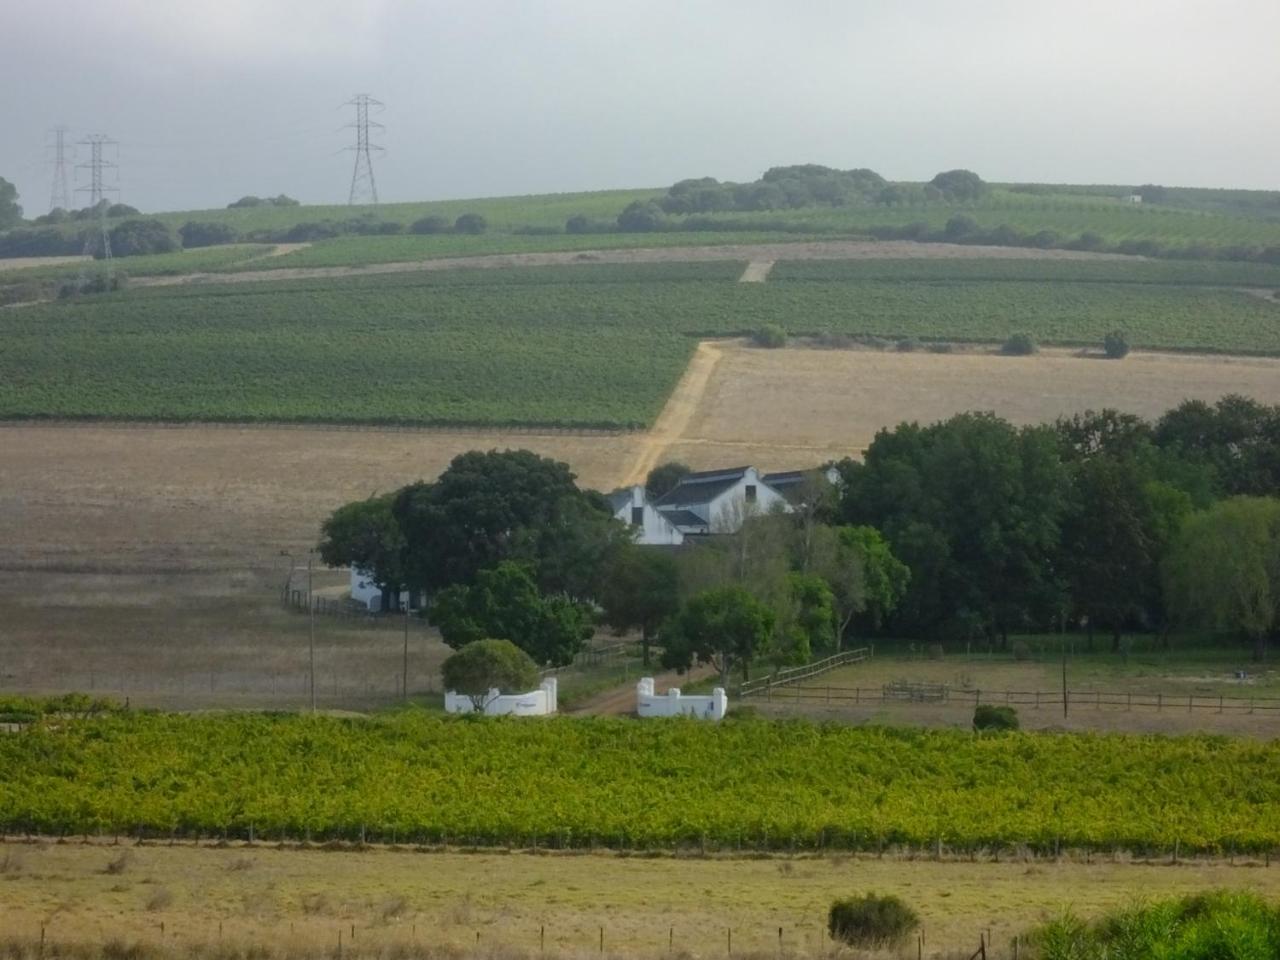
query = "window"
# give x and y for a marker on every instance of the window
(751, 493)
(637, 516)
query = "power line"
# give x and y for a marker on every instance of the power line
(97, 189)
(60, 196)
(363, 187)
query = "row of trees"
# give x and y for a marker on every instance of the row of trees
(1102, 518)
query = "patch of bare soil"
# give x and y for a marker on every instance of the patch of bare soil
(813, 250)
(757, 271)
(20, 263)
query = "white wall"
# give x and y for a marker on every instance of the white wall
(731, 508)
(535, 703)
(655, 530)
(676, 704)
(364, 591)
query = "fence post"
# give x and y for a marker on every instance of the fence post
(1159, 702)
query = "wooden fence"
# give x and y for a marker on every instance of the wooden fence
(797, 674)
(1035, 699)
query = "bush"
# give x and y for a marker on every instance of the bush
(471, 223)
(959, 227)
(935, 651)
(1019, 345)
(942, 347)
(488, 664)
(959, 185)
(642, 216)
(989, 717)
(907, 345)
(137, 237)
(1021, 650)
(196, 234)
(432, 224)
(770, 336)
(871, 921)
(1115, 345)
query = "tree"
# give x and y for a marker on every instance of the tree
(1238, 438)
(137, 237)
(504, 603)
(640, 590)
(432, 224)
(122, 210)
(663, 478)
(960, 226)
(197, 234)
(807, 623)
(472, 223)
(247, 201)
(484, 508)
(959, 185)
(972, 506)
(10, 209)
(641, 216)
(365, 535)
(488, 665)
(1223, 570)
(1106, 431)
(724, 626)
(865, 578)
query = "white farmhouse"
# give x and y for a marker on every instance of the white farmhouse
(718, 501)
(368, 594)
(649, 527)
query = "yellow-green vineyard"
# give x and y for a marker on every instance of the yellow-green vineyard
(745, 784)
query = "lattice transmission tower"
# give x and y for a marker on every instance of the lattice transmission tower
(364, 189)
(97, 189)
(60, 196)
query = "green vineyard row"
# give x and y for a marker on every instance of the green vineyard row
(594, 345)
(615, 782)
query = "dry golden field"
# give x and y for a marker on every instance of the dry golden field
(393, 898)
(141, 559)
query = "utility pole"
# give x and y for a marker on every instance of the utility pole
(97, 191)
(364, 189)
(60, 196)
(311, 617)
(404, 671)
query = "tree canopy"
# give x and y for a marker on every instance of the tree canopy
(724, 626)
(488, 665)
(10, 209)
(504, 603)
(365, 534)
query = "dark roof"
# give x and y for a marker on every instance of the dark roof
(703, 487)
(619, 498)
(785, 478)
(683, 518)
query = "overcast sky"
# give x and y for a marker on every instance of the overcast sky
(212, 100)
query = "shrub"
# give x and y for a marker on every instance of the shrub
(471, 223)
(1115, 345)
(1021, 650)
(432, 224)
(197, 234)
(871, 921)
(960, 185)
(770, 335)
(990, 717)
(1019, 345)
(935, 651)
(907, 345)
(942, 347)
(641, 216)
(136, 237)
(486, 664)
(959, 227)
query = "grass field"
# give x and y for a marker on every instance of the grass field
(589, 345)
(399, 901)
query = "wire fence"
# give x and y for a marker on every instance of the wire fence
(924, 694)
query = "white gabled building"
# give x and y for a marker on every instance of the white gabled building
(718, 501)
(649, 527)
(368, 594)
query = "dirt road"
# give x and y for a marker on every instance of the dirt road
(679, 410)
(621, 701)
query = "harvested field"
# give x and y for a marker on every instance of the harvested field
(23, 263)
(392, 898)
(786, 408)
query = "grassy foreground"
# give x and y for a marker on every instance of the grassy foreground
(626, 784)
(226, 903)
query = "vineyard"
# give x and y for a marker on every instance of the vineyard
(593, 345)
(627, 784)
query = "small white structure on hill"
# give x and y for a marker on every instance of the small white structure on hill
(676, 704)
(535, 703)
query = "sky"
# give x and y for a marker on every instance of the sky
(213, 100)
